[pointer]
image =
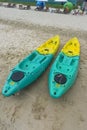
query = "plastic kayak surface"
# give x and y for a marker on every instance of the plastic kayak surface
(31, 67)
(64, 70)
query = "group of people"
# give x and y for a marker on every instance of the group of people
(41, 4)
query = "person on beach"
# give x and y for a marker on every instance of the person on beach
(84, 5)
(40, 5)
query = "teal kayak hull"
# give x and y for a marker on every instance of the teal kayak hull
(63, 74)
(27, 71)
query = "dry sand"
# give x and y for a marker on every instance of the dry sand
(34, 108)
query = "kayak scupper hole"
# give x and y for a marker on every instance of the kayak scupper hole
(55, 42)
(67, 69)
(8, 88)
(46, 49)
(59, 67)
(26, 65)
(70, 51)
(54, 93)
(74, 44)
(5, 91)
(70, 76)
(51, 41)
(70, 43)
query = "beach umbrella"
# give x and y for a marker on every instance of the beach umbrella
(68, 5)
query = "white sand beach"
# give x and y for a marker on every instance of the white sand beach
(22, 31)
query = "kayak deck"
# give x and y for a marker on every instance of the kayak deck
(64, 70)
(72, 48)
(49, 47)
